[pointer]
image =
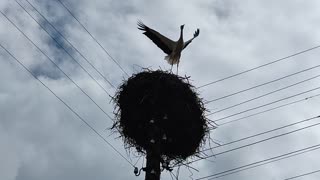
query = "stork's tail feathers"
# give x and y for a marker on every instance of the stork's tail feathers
(168, 59)
(171, 59)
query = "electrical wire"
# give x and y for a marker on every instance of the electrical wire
(260, 66)
(61, 35)
(55, 64)
(70, 12)
(260, 141)
(273, 102)
(69, 107)
(303, 175)
(261, 162)
(267, 110)
(61, 46)
(266, 94)
(266, 83)
(271, 161)
(259, 134)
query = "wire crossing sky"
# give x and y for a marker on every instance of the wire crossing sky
(72, 110)
(262, 162)
(268, 110)
(63, 38)
(115, 61)
(53, 62)
(303, 175)
(61, 46)
(259, 141)
(263, 84)
(260, 66)
(259, 134)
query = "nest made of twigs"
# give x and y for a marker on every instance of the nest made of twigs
(172, 105)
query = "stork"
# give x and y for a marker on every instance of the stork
(172, 48)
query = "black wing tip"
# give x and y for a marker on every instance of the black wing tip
(141, 26)
(196, 33)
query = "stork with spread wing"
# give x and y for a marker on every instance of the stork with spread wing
(172, 48)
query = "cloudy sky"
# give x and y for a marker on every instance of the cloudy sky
(40, 138)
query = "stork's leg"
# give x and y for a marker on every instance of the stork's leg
(177, 67)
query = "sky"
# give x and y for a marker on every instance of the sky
(41, 138)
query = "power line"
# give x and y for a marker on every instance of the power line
(257, 107)
(267, 110)
(259, 134)
(54, 64)
(61, 35)
(260, 141)
(271, 161)
(286, 157)
(302, 175)
(68, 52)
(269, 82)
(266, 94)
(260, 66)
(93, 37)
(261, 162)
(69, 107)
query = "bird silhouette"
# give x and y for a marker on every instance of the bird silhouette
(172, 48)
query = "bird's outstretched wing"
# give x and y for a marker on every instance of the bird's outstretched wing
(196, 34)
(164, 43)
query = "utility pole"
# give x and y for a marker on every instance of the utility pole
(153, 152)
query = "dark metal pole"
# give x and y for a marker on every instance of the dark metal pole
(153, 153)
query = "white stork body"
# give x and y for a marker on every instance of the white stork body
(173, 49)
(174, 56)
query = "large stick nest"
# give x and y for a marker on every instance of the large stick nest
(171, 103)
